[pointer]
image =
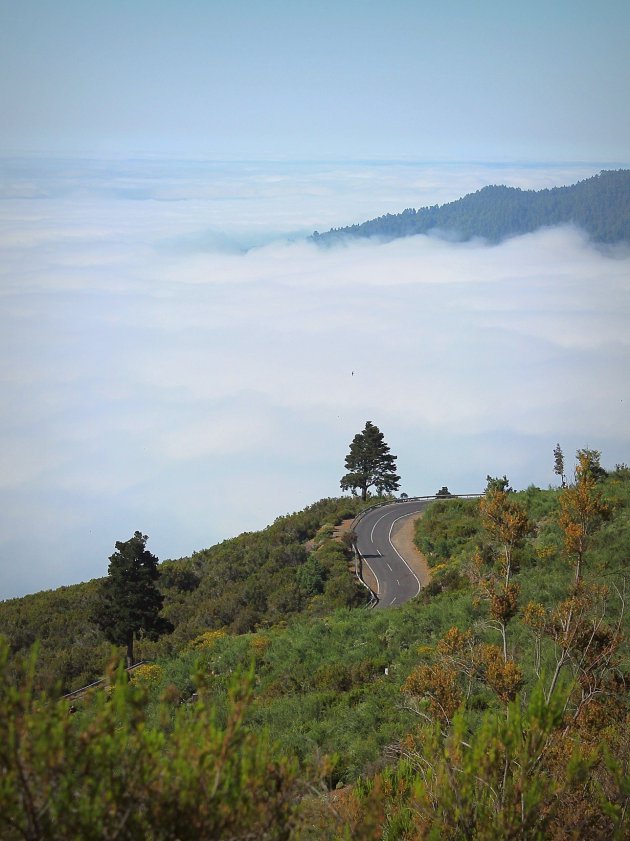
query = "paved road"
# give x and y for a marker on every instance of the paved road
(397, 583)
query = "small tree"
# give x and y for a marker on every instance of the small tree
(589, 461)
(498, 484)
(370, 464)
(582, 508)
(505, 520)
(130, 602)
(558, 466)
(508, 525)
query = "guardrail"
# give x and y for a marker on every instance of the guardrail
(358, 571)
(76, 693)
(358, 558)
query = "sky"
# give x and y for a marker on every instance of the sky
(176, 357)
(456, 80)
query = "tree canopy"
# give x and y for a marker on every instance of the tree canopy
(599, 205)
(370, 464)
(130, 602)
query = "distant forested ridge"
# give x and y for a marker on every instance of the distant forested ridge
(599, 205)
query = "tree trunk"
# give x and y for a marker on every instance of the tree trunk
(130, 650)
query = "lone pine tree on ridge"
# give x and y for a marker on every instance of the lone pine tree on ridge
(370, 464)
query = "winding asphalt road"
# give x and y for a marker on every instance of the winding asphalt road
(396, 581)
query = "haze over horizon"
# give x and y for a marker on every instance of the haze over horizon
(415, 80)
(177, 358)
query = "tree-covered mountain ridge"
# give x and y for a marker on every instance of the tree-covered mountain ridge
(599, 205)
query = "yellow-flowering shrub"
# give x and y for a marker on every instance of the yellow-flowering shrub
(206, 641)
(147, 675)
(260, 644)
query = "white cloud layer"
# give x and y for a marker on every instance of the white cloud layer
(157, 376)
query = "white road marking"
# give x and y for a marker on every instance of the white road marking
(396, 550)
(378, 583)
(369, 566)
(376, 524)
(389, 565)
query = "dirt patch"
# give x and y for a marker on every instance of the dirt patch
(343, 528)
(402, 538)
(338, 532)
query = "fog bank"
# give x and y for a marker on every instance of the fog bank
(177, 358)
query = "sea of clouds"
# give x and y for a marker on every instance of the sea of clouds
(178, 358)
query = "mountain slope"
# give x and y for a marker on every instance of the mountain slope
(405, 723)
(254, 580)
(599, 205)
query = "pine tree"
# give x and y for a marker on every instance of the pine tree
(370, 464)
(130, 602)
(558, 468)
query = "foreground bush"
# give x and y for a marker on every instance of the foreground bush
(103, 773)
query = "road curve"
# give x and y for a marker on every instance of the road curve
(396, 580)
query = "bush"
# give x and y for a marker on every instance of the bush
(103, 773)
(448, 527)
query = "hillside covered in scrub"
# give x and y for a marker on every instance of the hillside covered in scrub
(599, 205)
(255, 580)
(493, 706)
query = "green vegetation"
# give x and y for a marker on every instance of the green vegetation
(495, 705)
(599, 205)
(370, 464)
(108, 774)
(255, 580)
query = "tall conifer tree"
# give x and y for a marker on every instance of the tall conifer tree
(370, 464)
(130, 601)
(558, 467)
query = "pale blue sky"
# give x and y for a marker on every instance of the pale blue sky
(454, 80)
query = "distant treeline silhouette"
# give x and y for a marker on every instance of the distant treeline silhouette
(599, 205)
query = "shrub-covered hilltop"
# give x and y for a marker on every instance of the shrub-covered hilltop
(599, 205)
(493, 706)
